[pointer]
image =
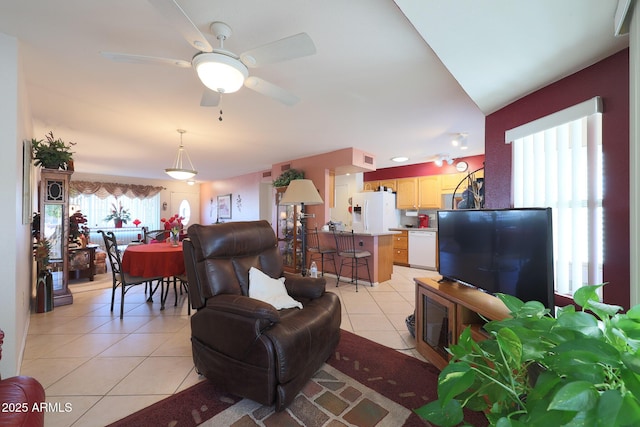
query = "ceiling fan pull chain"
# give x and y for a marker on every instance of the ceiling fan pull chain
(220, 104)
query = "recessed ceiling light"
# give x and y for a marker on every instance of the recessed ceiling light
(400, 159)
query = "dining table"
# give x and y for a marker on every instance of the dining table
(154, 260)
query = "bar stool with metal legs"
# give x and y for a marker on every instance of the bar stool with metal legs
(316, 251)
(346, 247)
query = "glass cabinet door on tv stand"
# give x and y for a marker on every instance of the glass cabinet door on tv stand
(288, 233)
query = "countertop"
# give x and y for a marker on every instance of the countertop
(391, 231)
(414, 229)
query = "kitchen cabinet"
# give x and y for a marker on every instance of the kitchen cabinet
(374, 185)
(429, 193)
(401, 249)
(407, 193)
(449, 182)
(419, 193)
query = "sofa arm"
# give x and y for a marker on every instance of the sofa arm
(304, 287)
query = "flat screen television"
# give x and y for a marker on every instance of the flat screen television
(504, 250)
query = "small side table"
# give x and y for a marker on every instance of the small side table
(82, 262)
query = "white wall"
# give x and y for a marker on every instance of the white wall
(16, 262)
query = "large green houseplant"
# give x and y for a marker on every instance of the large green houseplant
(581, 368)
(52, 153)
(287, 176)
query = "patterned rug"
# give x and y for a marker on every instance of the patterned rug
(364, 384)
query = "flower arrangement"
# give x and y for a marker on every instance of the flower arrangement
(173, 224)
(41, 251)
(77, 226)
(118, 213)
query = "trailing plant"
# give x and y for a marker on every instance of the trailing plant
(581, 368)
(287, 176)
(52, 153)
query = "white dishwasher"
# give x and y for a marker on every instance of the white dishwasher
(422, 249)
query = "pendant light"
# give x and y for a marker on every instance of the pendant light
(178, 171)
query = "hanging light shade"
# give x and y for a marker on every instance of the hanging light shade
(220, 72)
(179, 171)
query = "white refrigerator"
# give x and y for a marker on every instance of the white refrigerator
(374, 212)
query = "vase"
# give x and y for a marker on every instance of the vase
(118, 223)
(44, 291)
(174, 239)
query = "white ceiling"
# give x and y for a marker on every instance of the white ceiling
(374, 83)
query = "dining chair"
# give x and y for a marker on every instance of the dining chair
(154, 236)
(347, 249)
(120, 278)
(184, 287)
(317, 251)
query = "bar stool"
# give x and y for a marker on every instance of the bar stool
(316, 251)
(346, 246)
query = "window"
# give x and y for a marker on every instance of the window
(146, 210)
(557, 163)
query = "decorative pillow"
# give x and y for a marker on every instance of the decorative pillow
(269, 290)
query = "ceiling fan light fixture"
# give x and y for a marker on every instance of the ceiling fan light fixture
(220, 72)
(179, 171)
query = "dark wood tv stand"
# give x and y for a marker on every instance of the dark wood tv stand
(444, 310)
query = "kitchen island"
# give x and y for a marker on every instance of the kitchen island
(380, 264)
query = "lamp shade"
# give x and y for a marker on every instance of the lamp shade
(220, 72)
(301, 191)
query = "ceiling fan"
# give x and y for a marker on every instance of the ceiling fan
(220, 70)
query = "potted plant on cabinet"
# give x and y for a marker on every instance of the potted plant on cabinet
(78, 230)
(580, 368)
(52, 153)
(287, 176)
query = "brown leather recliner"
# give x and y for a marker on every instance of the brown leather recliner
(244, 345)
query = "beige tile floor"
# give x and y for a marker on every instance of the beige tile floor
(98, 368)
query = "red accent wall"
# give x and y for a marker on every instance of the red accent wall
(422, 169)
(609, 79)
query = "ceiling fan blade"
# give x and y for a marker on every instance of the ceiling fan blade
(142, 59)
(280, 50)
(210, 98)
(269, 89)
(181, 21)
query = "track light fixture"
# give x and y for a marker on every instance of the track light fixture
(441, 159)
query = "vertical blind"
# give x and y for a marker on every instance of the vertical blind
(561, 167)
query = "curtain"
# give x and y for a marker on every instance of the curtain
(106, 189)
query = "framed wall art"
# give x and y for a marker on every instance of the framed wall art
(224, 206)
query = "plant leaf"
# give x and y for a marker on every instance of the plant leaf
(580, 321)
(513, 304)
(511, 344)
(575, 396)
(586, 293)
(454, 379)
(446, 416)
(608, 408)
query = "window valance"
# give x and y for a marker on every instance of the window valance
(106, 189)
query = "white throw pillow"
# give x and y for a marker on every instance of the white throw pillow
(269, 290)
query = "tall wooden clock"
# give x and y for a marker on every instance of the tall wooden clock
(54, 226)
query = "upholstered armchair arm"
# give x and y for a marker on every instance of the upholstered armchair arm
(304, 287)
(244, 306)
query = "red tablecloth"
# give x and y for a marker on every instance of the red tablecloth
(153, 260)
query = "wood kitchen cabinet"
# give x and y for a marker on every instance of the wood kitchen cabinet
(449, 182)
(419, 193)
(374, 185)
(407, 193)
(429, 192)
(401, 249)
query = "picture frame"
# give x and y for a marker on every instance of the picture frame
(224, 206)
(27, 168)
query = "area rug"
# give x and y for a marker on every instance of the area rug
(363, 384)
